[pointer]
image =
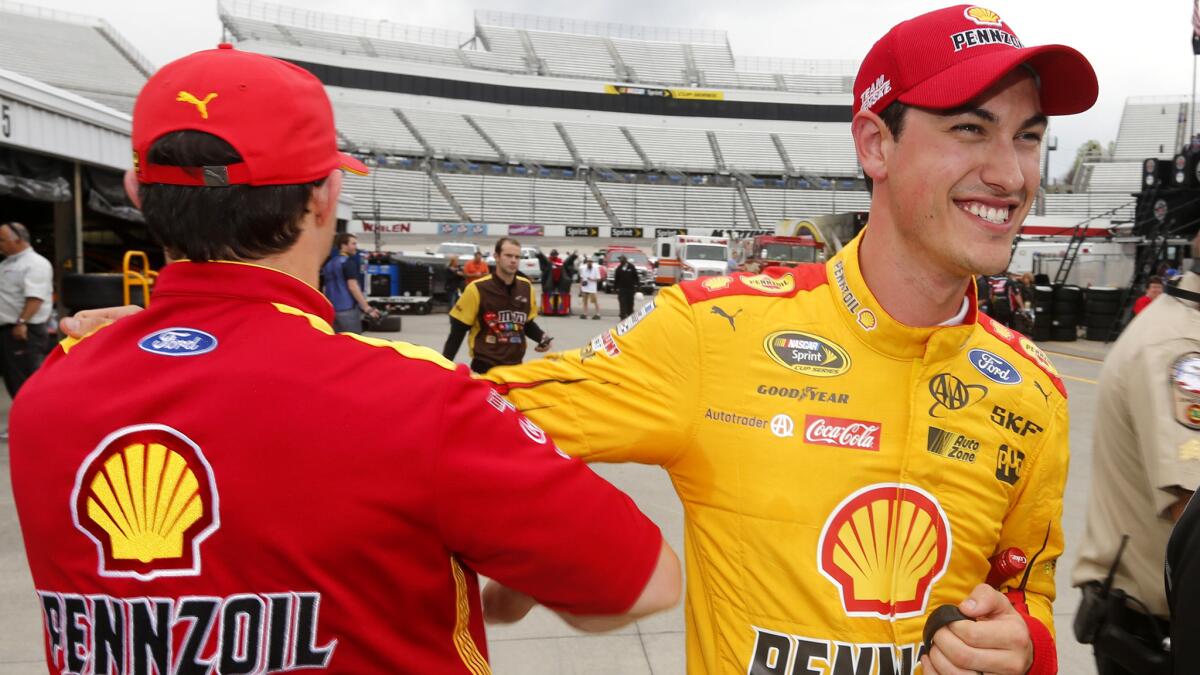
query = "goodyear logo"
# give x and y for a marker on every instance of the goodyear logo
(147, 498)
(883, 548)
(178, 342)
(806, 353)
(768, 284)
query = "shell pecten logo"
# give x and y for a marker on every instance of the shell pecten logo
(147, 498)
(983, 16)
(884, 547)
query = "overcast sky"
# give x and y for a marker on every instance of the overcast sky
(1138, 49)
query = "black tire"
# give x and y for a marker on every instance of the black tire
(1061, 307)
(1104, 293)
(425, 308)
(1104, 306)
(1101, 334)
(1068, 293)
(1100, 320)
(1064, 320)
(1064, 334)
(1043, 293)
(94, 291)
(1041, 333)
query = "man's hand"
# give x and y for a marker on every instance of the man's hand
(20, 332)
(82, 323)
(544, 345)
(502, 604)
(997, 641)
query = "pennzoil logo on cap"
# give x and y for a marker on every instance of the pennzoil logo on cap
(147, 498)
(884, 547)
(983, 16)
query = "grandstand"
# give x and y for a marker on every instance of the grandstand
(543, 120)
(99, 64)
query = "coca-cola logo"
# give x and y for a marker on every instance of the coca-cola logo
(842, 433)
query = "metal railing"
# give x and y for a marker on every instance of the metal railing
(791, 66)
(338, 23)
(598, 28)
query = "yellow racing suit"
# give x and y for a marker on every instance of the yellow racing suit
(842, 474)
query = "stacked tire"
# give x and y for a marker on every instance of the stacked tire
(1067, 307)
(1100, 312)
(1043, 312)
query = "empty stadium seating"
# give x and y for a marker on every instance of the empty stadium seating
(1150, 128)
(81, 54)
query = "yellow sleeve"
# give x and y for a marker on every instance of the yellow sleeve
(467, 307)
(1034, 522)
(533, 305)
(630, 394)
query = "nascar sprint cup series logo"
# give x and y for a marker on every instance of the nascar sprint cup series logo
(806, 353)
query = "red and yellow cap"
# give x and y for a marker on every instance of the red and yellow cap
(948, 57)
(275, 114)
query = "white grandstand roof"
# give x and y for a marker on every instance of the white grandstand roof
(599, 28)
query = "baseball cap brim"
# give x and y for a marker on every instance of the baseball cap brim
(1067, 82)
(352, 165)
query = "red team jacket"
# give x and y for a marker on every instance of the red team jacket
(201, 488)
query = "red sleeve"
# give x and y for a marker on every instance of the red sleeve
(1140, 304)
(517, 510)
(1045, 651)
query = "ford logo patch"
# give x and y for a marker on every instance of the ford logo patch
(993, 367)
(178, 342)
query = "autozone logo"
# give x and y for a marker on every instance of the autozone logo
(842, 433)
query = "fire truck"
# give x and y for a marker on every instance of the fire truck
(684, 257)
(767, 250)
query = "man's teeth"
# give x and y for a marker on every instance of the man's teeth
(998, 216)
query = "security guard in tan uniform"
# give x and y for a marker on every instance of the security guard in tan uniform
(1145, 465)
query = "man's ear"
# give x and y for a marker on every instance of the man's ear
(873, 143)
(131, 188)
(324, 199)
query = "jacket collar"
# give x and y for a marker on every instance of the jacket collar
(242, 281)
(875, 327)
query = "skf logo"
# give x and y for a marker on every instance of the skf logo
(983, 16)
(1008, 464)
(951, 393)
(716, 283)
(1017, 424)
(768, 284)
(201, 104)
(147, 498)
(884, 547)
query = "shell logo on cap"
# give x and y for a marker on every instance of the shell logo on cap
(983, 16)
(884, 547)
(147, 498)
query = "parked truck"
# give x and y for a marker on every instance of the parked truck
(684, 257)
(765, 250)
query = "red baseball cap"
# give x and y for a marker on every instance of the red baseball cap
(275, 114)
(946, 58)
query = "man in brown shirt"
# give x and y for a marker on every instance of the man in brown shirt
(498, 311)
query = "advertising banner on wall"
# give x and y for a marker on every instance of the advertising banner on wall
(526, 230)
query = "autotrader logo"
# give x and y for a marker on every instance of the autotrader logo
(783, 426)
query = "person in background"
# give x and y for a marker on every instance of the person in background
(1154, 288)
(589, 286)
(1145, 467)
(194, 483)
(625, 280)
(455, 280)
(339, 280)
(495, 314)
(26, 300)
(475, 269)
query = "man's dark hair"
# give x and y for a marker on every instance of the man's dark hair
(341, 239)
(1154, 280)
(893, 118)
(505, 240)
(237, 222)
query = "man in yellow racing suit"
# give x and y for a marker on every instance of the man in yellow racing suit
(836, 467)
(844, 472)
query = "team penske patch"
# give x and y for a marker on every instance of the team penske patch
(807, 354)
